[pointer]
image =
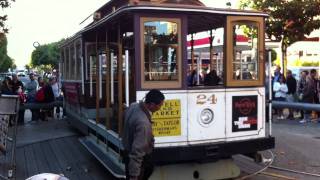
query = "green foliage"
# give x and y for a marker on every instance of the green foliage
(289, 21)
(308, 63)
(27, 67)
(299, 63)
(5, 61)
(3, 17)
(46, 56)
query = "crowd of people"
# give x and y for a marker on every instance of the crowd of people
(204, 78)
(34, 91)
(305, 90)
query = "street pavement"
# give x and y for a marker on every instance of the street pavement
(297, 147)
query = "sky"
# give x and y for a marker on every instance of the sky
(46, 21)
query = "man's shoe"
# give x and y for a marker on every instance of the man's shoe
(303, 121)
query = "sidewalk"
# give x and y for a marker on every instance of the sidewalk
(293, 126)
(52, 147)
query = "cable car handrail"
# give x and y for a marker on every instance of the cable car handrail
(296, 105)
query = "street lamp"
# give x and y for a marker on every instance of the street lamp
(36, 44)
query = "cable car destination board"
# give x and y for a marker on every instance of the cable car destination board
(167, 121)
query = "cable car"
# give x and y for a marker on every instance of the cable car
(133, 46)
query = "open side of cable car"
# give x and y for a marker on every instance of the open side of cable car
(177, 47)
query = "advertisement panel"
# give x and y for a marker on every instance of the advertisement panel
(244, 113)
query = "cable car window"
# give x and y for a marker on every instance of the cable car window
(205, 64)
(245, 51)
(160, 55)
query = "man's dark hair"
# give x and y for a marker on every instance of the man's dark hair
(154, 96)
(313, 71)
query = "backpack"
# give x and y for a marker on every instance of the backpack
(40, 95)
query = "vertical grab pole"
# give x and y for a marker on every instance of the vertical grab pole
(101, 56)
(108, 60)
(82, 77)
(82, 70)
(192, 53)
(112, 78)
(127, 77)
(211, 52)
(97, 82)
(199, 67)
(90, 73)
(270, 94)
(120, 80)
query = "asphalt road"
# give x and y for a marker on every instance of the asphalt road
(297, 148)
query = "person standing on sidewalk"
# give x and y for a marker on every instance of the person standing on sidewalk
(292, 87)
(56, 92)
(32, 87)
(280, 90)
(313, 74)
(308, 97)
(138, 139)
(301, 84)
(16, 83)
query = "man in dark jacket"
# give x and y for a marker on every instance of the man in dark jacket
(138, 140)
(291, 83)
(16, 83)
(307, 97)
(292, 87)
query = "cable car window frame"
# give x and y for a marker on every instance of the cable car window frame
(165, 84)
(234, 20)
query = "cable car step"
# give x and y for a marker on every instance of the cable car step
(107, 159)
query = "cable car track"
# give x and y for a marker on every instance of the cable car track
(275, 169)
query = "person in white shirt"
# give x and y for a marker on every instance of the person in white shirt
(280, 90)
(56, 91)
(55, 87)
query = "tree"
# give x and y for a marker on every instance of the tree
(27, 67)
(289, 21)
(3, 18)
(5, 61)
(46, 55)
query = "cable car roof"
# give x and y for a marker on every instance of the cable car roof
(199, 16)
(205, 11)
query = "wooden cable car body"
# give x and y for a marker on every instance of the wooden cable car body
(150, 43)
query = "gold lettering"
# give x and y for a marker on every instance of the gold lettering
(202, 99)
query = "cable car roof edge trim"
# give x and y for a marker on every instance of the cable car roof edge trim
(158, 8)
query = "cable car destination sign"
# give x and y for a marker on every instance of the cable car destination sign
(167, 121)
